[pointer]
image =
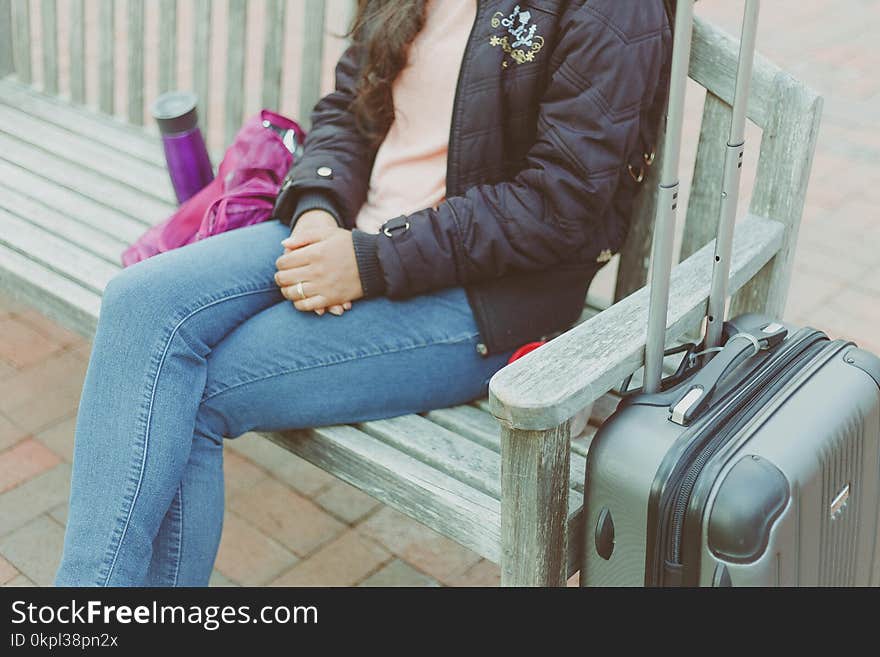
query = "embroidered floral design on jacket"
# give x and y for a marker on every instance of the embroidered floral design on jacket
(520, 41)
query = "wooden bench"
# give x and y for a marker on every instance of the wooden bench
(501, 475)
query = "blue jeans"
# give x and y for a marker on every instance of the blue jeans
(196, 345)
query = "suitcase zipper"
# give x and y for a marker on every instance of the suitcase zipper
(688, 460)
(719, 438)
(738, 432)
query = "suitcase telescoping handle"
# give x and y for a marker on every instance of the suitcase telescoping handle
(668, 191)
(733, 162)
(667, 197)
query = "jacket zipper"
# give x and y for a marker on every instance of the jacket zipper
(465, 61)
(452, 175)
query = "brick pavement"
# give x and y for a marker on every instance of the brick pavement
(288, 523)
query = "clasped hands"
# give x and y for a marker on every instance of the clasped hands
(319, 261)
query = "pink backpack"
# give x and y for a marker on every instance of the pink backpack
(243, 193)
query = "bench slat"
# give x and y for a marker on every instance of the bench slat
(82, 152)
(273, 54)
(55, 253)
(312, 58)
(58, 223)
(482, 428)
(49, 45)
(713, 65)
(236, 27)
(448, 506)
(202, 65)
(7, 54)
(106, 57)
(115, 134)
(79, 209)
(412, 487)
(102, 189)
(21, 15)
(448, 452)
(77, 50)
(135, 62)
(50, 293)
(167, 45)
(470, 421)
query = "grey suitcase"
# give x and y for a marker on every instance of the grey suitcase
(757, 467)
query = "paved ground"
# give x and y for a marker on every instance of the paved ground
(289, 523)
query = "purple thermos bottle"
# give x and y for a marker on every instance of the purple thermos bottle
(185, 150)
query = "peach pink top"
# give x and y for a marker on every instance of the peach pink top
(409, 172)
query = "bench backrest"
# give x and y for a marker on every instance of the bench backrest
(784, 117)
(97, 52)
(297, 50)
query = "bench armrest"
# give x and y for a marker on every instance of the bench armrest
(546, 387)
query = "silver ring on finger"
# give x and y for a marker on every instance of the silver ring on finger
(300, 291)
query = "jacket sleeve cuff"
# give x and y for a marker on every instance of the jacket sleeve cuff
(315, 200)
(366, 252)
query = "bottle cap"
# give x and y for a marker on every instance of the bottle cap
(175, 112)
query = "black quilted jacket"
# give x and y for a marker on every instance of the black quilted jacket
(557, 107)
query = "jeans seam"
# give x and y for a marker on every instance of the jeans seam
(146, 432)
(179, 536)
(346, 359)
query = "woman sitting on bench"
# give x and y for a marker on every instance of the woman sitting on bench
(473, 169)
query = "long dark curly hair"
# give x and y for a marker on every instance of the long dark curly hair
(383, 30)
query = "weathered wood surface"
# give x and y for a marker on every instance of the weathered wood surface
(50, 293)
(450, 507)
(81, 212)
(7, 54)
(141, 176)
(79, 121)
(784, 166)
(21, 33)
(49, 45)
(534, 506)
(60, 223)
(111, 193)
(167, 45)
(481, 428)
(77, 50)
(704, 200)
(55, 253)
(106, 57)
(442, 449)
(312, 58)
(235, 58)
(714, 59)
(202, 65)
(273, 53)
(549, 385)
(136, 62)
